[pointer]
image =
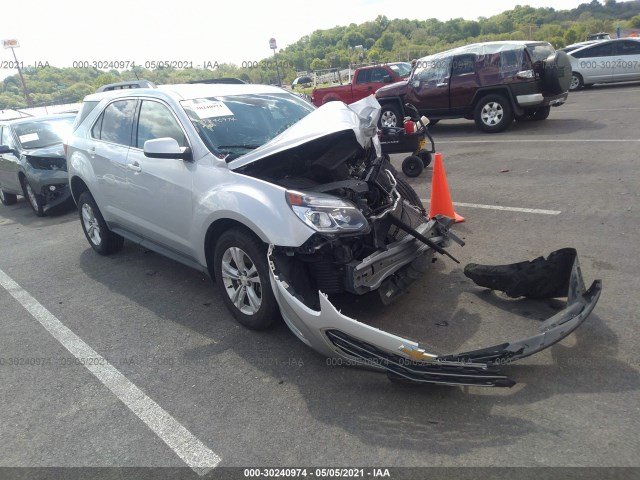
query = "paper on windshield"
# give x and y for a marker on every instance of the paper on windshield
(29, 137)
(205, 108)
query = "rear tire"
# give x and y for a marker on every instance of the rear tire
(101, 239)
(8, 198)
(493, 113)
(242, 275)
(541, 113)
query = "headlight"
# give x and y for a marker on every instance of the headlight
(325, 213)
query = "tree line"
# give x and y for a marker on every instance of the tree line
(379, 40)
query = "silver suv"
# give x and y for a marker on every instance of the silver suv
(210, 175)
(280, 203)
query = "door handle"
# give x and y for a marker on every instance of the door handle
(441, 85)
(135, 166)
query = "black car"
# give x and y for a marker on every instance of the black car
(32, 161)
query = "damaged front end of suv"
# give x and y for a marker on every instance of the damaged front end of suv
(373, 234)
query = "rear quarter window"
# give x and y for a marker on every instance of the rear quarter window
(116, 122)
(540, 52)
(87, 108)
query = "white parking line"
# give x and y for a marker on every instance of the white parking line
(567, 110)
(549, 140)
(499, 207)
(191, 450)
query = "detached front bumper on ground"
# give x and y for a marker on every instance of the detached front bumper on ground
(335, 335)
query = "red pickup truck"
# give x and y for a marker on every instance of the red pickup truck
(365, 82)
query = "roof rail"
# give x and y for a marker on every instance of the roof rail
(226, 80)
(126, 85)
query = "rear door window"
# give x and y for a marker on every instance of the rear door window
(463, 64)
(600, 50)
(114, 125)
(628, 47)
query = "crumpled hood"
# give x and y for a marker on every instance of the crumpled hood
(361, 117)
(52, 151)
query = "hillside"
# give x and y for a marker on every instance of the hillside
(380, 40)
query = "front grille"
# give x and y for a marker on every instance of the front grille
(443, 373)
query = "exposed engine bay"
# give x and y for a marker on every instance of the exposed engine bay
(355, 258)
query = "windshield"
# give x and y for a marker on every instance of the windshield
(235, 124)
(401, 69)
(43, 133)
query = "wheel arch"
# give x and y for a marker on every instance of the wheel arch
(397, 101)
(78, 187)
(504, 91)
(217, 228)
(331, 97)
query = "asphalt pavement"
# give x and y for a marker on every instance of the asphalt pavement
(264, 399)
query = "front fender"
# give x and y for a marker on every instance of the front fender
(260, 206)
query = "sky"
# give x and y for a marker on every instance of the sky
(199, 32)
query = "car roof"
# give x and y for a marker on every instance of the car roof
(602, 42)
(38, 118)
(188, 91)
(487, 48)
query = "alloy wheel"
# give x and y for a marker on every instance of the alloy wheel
(492, 114)
(91, 225)
(241, 280)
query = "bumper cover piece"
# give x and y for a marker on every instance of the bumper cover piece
(335, 335)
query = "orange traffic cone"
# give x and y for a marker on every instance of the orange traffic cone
(440, 196)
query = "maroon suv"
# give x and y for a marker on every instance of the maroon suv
(491, 83)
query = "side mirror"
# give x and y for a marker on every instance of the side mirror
(5, 149)
(166, 148)
(387, 79)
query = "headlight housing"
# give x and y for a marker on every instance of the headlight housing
(326, 213)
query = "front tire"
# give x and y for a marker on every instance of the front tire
(407, 192)
(35, 200)
(577, 82)
(390, 116)
(101, 239)
(493, 114)
(242, 275)
(8, 198)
